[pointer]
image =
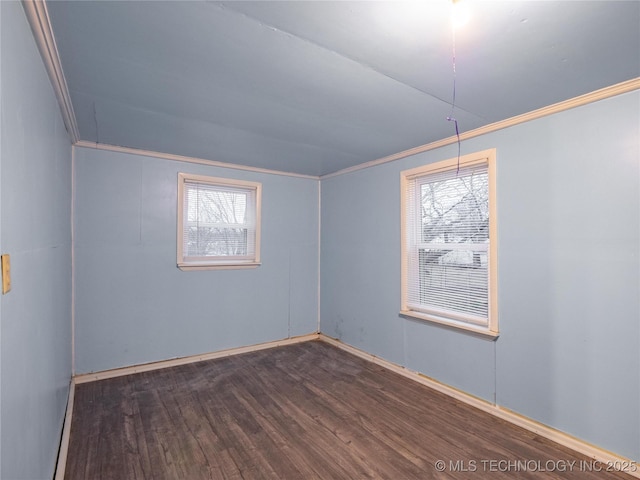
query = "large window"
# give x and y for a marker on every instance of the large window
(218, 222)
(449, 244)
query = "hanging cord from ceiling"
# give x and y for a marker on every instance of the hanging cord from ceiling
(95, 120)
(451, 118)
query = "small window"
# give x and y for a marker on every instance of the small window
(449, 244)
(218, 223)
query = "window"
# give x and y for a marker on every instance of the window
(449, 244)
(218, 223)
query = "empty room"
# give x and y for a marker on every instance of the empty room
(319, 239)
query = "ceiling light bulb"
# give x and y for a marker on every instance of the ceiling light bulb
(460, 13)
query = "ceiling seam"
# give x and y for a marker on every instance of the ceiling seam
(204, 120)
(601, 94)
(347, 57)
(597, 95)
(322, 147)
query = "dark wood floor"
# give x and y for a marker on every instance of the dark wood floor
(306, 411)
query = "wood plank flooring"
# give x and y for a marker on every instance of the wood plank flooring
(305, 411)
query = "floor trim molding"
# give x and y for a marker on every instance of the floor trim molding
(147, 367)
(61, 464)
(605, 457)
(596, 453)
(117, 372)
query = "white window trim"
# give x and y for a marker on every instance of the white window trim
(216, 264)
(488, 157)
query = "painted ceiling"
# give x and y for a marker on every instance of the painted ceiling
(314, 87)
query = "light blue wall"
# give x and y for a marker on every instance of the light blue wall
(569, 266)
(1, 237)
(569, 228)
(133, 305)
(35, 226)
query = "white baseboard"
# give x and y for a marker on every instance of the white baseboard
(66, 431)
(605, 457)
(147, 367)
(118, 372)
(596, 453)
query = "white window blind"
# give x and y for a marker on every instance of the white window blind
(219, 222)
(447, 244)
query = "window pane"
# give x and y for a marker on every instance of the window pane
(456, 210)
(219, 222)
(208, 206)
(446, 243)
(454, 213)
(216, 221)
(203, 241)
(454, 280)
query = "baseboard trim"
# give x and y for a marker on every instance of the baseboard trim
(118, 372)
(596, 453)
(61, 464)
(147, 367)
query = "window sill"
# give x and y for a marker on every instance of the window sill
(187, 267)
(466, 327)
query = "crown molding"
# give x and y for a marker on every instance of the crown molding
(182, 158)
(38, 17)
(603, 93)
